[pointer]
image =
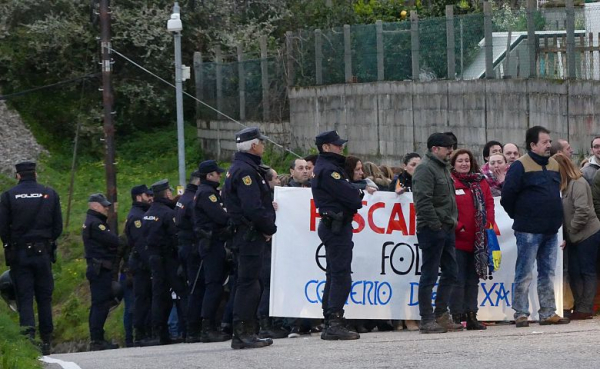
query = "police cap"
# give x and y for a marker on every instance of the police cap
(161, 185)
(439, 139)
(99, 198)
(249, 133)
(139, 190)
(25, 166)
(329, 137)
(209, 166)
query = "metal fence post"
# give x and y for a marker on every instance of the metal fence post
(414, 36)
(531, 38)
(318, 57)
(290, 59)
(199, 80)
(489, 42)
(380, 67)
(450, 52)
(264, 75)
(241, 82)
(219, 78)
(571, 72)
(347, 54)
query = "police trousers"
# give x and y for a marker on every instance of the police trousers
(101, 291)
(32, 276)
(142, 298)
(213, 254)
(338, 280)
(164, 277)
(249, 266)
(191, 261)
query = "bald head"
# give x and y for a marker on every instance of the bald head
(511, 152)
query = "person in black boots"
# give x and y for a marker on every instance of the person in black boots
(30, 223)
(189, 257)
(160, 232)
(100, 254)
(248, 201)
(211, 225)
(138, 264)
(337, 200)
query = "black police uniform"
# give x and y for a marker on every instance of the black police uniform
(30, 223)
(248, 201)
(337, 201)
(140, 268)
(100, 254)
(160, 232)
(211, 226)
(189, 257)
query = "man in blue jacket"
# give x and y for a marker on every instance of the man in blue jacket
(531, 196)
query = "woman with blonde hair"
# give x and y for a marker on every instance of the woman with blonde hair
(581, 229)
(375, 174)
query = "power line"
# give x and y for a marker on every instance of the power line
(21, 93)
(200, 101)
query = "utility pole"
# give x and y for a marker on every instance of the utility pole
(109, 126)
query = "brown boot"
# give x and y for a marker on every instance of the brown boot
(555, 319)
(446, 321)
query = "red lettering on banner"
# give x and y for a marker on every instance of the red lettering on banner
(413, 220)
(360, 220)
(397, 222)
(314, 214)
(372, 209)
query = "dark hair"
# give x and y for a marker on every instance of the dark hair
(320, 148)
(408, 157)
(270, 174)
(474, 165)
(532, 136)
(27, 174)
(195, 176)
(488, 146)
(593, 139)
(350, 165)
(452, 136)
(203, 176)
(312, 158)
(293, 163)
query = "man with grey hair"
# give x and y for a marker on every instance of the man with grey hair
(248, 200)
(511, 153)
(593, 162)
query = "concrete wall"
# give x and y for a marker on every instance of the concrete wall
(385, 120)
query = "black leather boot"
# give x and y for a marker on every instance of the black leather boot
(268, 330)
(336, 330)
(46, 344)
(244, 336)
(473, 324)
(211, 334)
(459, 318)
(194, 333)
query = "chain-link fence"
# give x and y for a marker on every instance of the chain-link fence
(496, 42)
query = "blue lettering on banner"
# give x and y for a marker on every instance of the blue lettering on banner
(493, 295)
(371, 293)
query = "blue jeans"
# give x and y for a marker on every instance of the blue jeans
(437, 251)
(582, 272)
(532, 247)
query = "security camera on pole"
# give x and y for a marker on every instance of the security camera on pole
(182, 73)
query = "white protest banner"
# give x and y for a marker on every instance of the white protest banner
(386, 262)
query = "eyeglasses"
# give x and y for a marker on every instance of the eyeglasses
(596, 147)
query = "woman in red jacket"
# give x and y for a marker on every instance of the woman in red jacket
(475, 213)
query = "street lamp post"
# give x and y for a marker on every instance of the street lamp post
(174, 25)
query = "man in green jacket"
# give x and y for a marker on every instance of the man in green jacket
(433, 193)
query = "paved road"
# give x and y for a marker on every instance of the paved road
(569, 346)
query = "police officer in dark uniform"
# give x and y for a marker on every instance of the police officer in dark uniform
(160, 232)
(248, 201)
(139, 265)
(100, 254)
(337, 201)
(189, 257)
(30, 223)
(212, 227)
